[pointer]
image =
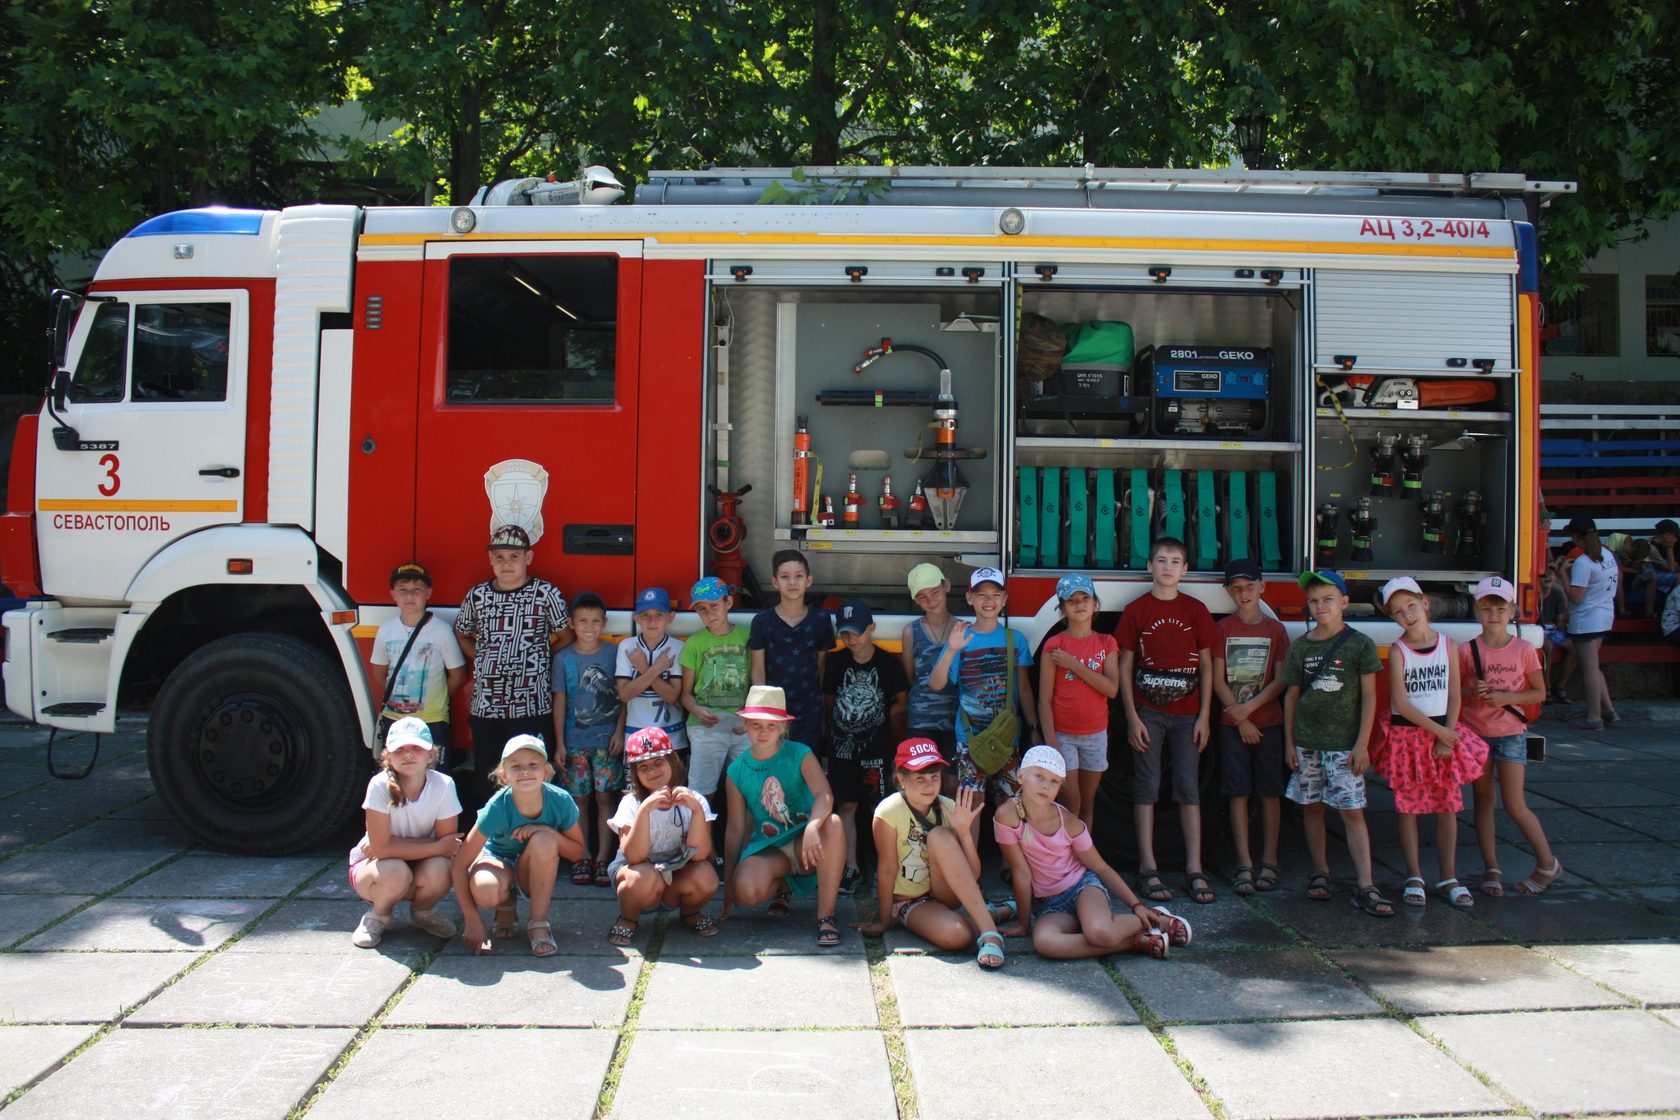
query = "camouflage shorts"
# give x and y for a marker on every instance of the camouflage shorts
(1324, 776)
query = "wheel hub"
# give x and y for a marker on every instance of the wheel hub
(249, 748)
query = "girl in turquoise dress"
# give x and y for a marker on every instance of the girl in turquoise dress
(783, 837)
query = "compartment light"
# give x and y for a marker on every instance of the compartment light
(1012, 222)
(462, 220)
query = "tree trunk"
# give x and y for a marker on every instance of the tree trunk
(822, 112)
(466, 143)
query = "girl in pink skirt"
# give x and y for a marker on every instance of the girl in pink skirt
(1429, 755)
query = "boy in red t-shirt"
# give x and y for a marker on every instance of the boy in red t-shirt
(1252, 645)
(1502, 674)
(1167, 689)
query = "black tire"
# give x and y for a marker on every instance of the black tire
(255, 747)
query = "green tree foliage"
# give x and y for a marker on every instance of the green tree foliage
(111, 112)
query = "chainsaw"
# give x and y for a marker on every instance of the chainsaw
(1367, 391)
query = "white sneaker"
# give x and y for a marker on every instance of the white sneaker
(369, 930)
(431, 922)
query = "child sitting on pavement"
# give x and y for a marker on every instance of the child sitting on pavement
(1502, 674)
(665, 841)
(523, 832)
(1329, 707)
(928, 878)
(412, 812)
(1062, 881)
(783, 837)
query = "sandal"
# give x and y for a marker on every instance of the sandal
(583, 873)
(1202, 895)
(1152, 887)
(1413, 895)
(1267, 880)
(1456, 893)
(1178, 930)
(781, 903)
(1539, 880)
(623, 931)
(506, 924)
(542, 939)
(1001, 912)
(1491, 884)
(1369, 900)
(1152, 942)
(602, 879)
(699, 924)
(1243, 880)
(990, 946)
(1318, 886)
(828, 933)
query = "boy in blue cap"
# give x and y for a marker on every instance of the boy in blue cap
(865, 693)
(1329, 705)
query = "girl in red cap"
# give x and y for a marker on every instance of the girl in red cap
(664, 840)
(928, 878)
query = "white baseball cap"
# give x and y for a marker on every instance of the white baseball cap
(985, 575)
(1400, 583)
(1495, 588)
(524, 743)
(1046, 758)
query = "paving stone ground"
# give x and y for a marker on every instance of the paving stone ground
(142, 974)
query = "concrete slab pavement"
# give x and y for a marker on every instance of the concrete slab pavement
(200, 983)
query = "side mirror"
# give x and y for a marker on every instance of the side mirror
(65, 304)
(60, 390)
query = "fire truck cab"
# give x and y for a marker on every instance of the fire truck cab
(255, 415)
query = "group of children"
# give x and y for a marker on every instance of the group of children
(798, 736)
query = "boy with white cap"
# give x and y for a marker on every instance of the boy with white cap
(1502, 675)
(977, 657)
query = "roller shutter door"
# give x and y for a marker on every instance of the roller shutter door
(1412, 320)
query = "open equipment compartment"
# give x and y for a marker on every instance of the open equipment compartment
(1416, 392)
(1201, 440)
(800, 408)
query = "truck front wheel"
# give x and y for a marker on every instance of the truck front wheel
(255, 747)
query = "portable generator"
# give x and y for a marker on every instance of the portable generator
(1212, 391)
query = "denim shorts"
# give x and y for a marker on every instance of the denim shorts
(1067, 902)
(1084, 752)
(1508, 748)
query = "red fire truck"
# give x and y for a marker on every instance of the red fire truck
(255, 415)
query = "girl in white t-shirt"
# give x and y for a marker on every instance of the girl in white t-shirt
(1593, 578)
(664, 840)
(412, 811)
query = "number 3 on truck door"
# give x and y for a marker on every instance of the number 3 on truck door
(113, 482)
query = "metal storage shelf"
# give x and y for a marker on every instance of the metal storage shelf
(944, 541)
(1425, 576)
(1469, 374)
(1075, 443)
(1416, 414)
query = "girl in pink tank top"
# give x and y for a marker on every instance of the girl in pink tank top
(1062, 881)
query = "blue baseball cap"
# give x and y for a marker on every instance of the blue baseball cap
(1074, 582)
(854, 615)
(711, 589)
(653, 599)
(1323, 575)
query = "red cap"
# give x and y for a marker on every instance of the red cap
(918, 754)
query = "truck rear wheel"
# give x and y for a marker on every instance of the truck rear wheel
(255, 747)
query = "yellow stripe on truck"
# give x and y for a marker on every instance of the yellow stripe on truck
(148, 505)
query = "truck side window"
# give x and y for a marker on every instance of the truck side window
(181, 351)
(532, 330)
(99, 373)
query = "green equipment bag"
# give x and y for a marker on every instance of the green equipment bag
(1026, 498)
(991, 749)
(1078, 508)
(1100, 342)
(1106, 516)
